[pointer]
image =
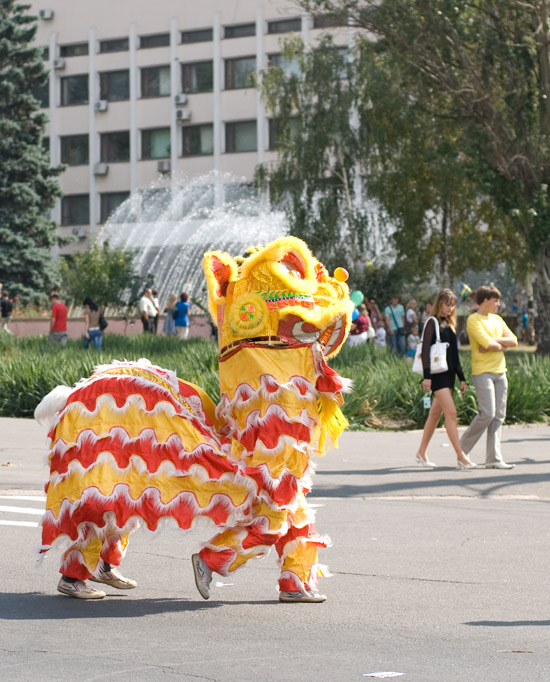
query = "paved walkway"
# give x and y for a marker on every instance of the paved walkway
(440, 575)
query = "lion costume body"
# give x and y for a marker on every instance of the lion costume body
(132, 445)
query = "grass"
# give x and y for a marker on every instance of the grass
(386, 393)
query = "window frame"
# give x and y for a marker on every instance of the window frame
(103, 213)
(230, 136)
(187, 132)
(186, 76)
(234, 28)
(105, 154)
(276, 26)
(146, 144)
(65, 51)
(105, 87)
(65, 141)
(152, 36)
(146, 69)
(229, 73)
(120, 45)
(63, 91)
(68, 210)
(198, 33)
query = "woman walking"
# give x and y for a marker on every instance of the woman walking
(169, 327)
(182, 320)
(442, 385)
(92, 330)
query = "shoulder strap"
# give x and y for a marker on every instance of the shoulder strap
(436, 328)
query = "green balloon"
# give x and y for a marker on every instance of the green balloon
(357, 297)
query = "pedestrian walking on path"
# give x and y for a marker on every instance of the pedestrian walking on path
(442, 324)
(489, 338)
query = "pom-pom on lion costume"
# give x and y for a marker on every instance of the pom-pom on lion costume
(134, 446)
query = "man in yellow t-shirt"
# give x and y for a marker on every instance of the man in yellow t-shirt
(489, 337)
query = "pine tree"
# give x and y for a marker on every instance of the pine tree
(28, 186)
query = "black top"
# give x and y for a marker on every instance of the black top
(446, 334)
(7, 307)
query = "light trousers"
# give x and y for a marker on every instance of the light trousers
(492, 393)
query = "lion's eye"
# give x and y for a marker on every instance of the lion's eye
(292, 269)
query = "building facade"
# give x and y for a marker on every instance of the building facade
(139, 90)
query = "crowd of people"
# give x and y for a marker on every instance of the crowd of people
(398, 327)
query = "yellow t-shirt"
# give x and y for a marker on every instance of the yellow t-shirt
(481, 329)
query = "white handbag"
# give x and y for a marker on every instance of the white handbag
(438, 353)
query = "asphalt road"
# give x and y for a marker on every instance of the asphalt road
(440, 575)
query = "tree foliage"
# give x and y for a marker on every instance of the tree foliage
(28, 186)
(484, 67)
(102, 273)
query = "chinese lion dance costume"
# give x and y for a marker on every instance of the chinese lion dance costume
(132, 445)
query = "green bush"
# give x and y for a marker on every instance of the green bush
(386, 394)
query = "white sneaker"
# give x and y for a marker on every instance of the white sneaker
(499, 465)
(203, 575)
(308, 597)
(79, 589)
(113, 578)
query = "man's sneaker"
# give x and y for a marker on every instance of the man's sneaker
(499, 465)
(113, 578)
(308, 597)
(79, 589)
(203, 575)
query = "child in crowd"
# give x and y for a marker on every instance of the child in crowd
(412, 342)
(380, 336)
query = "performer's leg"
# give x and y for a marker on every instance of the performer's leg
(77, 565)
(298, 556)
(232, 548)
(113, 550)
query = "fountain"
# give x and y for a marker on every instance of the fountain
(170, 226)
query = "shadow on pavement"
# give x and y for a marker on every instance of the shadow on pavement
(38, 606)
(484, 486)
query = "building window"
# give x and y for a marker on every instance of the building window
(155, 143)
(198, 140)
(114, 45)
(239, 72)
(74, 50)
(45, 53)
(155, 40)
(290, 67)
(115, 147)
(74, 90)
(274, 131)
(240, 31)
(284, 25)
(197, 77)
(75, 209)
(203, 35)
(74, 150)
(110, 201)
(326, 21)
(42, 94)
(114, 85)
(155, 81)
(241, 136)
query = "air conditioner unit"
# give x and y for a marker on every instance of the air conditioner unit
(183, 115)
(58, 64)
(101, 169)
(180, 99)
(163, 166)
(79, 232)
(101, 105)
(46, 14)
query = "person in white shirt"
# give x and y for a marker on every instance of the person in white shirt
(380, 335)
(148, 311)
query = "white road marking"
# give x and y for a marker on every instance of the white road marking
(31, 524)
(21, 510)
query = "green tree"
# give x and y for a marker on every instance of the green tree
(102, 273)
(28, 186)
(316, 178)
(486, 65)
(407, 161)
